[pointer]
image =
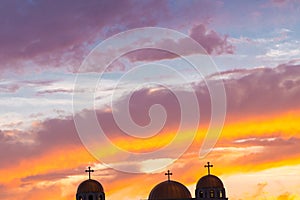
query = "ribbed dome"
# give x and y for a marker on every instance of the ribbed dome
(89, 185)
(169, 190)
(210, 181)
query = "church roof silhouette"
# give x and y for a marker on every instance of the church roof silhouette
(208, 187)
(209, 181)
(89, 186)
(169, 190)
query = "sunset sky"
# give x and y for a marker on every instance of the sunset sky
(51, 55)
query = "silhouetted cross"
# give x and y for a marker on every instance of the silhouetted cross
(89, 171)
(168, 174)
(208, 167)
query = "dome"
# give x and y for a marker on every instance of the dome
(89, 185)
(210, 181)
(169, 190)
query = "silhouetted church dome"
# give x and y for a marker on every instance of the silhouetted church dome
(210, 187)
(169, 190)
(88, 186)
(210, 181)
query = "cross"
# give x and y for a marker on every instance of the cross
(208, 167)
(168, 174)
(89, 171)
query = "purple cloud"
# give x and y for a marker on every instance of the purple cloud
(49, 135)
(264, 91)
(45, 32)
(211, 41)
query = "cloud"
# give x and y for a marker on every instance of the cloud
(49, 34)
(266, 150)
(15, 86)
(273, 151)
(54, 176)
(40, 34)
(266, 141)
(283, 52)
(264, 91)
(45, 92)
(39, 192)
(59, 174)
(47, 136)
(280, 36)
(12, 125)
(9, 88)
(38, 82)
(211, 42)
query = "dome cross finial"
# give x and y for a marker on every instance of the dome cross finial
(89, 170)
(208, 167)
(168, 174)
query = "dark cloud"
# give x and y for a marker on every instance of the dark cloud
(46, 32)
(58, 132)
(49, 34)
(49, 135)
(139, 106)
(211, 42)
(264, 91)
(12, 150)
